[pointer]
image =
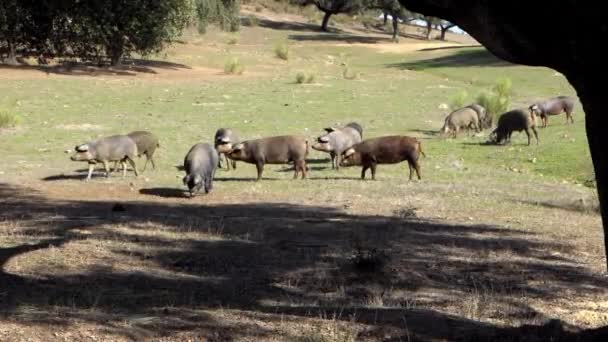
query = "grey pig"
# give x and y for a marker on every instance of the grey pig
(462, 118)
(338, 140)
(554, 106)
(200, 165)
(514, 120)
(119, 148)
(147, 143)
(485, 121)
(224, 139)
(273, 150)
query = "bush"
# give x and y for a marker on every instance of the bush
(497, 100)
(281, 50)
(304, 78)
(459, 100)
(233, 66)
(7, 119)
(253, 21)
(233, 41)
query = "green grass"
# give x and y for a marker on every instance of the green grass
(7, 119)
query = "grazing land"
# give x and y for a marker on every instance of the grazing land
(491, 239)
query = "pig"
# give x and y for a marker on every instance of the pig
(118, 148)
(273, 150)
(147, 143)
(200, 165)
(225, 138)
(462, 118)
(384, 150)
(485, 121)
(554, 106)
(515, 120)
(338, 140)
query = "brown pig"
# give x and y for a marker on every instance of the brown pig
(273, 150)
(384, 150)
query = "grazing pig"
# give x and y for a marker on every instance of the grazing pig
(515, 120)
(338, 140)
(485, 121)
(225, 138)
(384, 150)
(119, 148)
(554, 106)
(147, 143)
(462, 118)
(273, 150)
(200, 165)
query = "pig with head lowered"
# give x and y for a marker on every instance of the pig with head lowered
(200, 165)
(147, 143)
(225, 138)
(118, 148)
(338, 140)
(384, 150)
(273, 150)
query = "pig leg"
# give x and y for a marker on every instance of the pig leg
(373, 167)
(132, 162)
(153, 163)
(91, 167)
(233, 164)
(106, 167)
(416, 166)
(296, 168)
(535, 134)
(227, 161)
(301, 164)
(363, 170)
(115, 166)
(260, 167)
(410, 166)
(528, 134)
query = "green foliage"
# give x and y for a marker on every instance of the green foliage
(459, 100)
(281, 50)
(224, 13)
(253, 21)
(8, 119)
(497, 100)
(233, 66)
(302, 77)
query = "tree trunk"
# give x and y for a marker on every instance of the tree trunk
(444, 29)
(593, 100)
(385, 18)
(12, 55)
(116, 50)
(325, 21)
(395, 29)
(429, 29)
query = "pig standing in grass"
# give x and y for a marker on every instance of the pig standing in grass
(384, 150)
(463, 118)
(515, 120)
(554, 106)
(274, 150)
(200, 165)
(147, 143)
(338, 140)
(225, 138)
(119, 148)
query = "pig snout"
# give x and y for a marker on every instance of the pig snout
(224, 147)
(322, 146)
(81, 156)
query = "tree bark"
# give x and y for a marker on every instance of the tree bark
(429, 29)
(12, 54)
(444, 29)
(395, 29)
(325, 21)
(385, 17)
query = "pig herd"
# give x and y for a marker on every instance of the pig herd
(476, 117)
(345, 146)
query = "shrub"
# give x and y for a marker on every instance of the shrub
(459, 100)
(497, 100)
(304, 78)
(233, 66)
(233, 41)
(253, 21)
(281, 50)
(7, 119)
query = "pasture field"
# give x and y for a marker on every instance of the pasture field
(492, 237)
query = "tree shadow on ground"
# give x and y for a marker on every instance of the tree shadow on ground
(288, 25)
(282, 259)
(461, 58)
(337, 37)
(130, 67)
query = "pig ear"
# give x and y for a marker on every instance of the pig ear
(349, 152)
(329, 129)
(224, 140)
(323, 139)
(82, 148)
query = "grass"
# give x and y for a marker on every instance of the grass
(8, 119)
(234, 66)
(281, 50)
(256, 260)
